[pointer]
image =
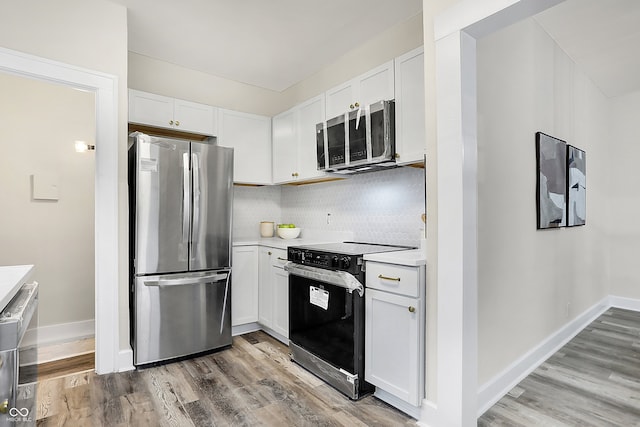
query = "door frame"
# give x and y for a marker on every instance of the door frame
(105, 87)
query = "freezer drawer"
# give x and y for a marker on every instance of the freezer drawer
(181, 314)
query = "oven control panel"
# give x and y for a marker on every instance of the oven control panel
(337, 262)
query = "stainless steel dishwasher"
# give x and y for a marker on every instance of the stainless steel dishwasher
(17, 402)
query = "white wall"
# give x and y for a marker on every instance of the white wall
(624, 197)
(40, 123)
(379, 207)
(90, 34)
(532, 282)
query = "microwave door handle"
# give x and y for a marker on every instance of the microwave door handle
(347, 143)
(367, 115)
(326, 145)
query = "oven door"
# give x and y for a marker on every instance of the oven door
(326, 326)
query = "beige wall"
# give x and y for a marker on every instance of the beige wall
(624, 197)
(533, 282)
(40, 123)
(91, 34)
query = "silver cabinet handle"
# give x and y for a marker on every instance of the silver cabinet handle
(412, 309)
(188, 280)
(395, 279)
(282, 259)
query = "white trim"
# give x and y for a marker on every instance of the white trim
(396, 402)
(245, 329)
(623, 302)
(125, 360)
(106, 180)
(493, 390)
(62, 332)
(479, 19)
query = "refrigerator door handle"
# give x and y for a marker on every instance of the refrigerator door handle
(224, 305)
(186, 203)
(190, 280)
(195, 233)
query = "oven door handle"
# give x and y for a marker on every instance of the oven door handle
(337, 278)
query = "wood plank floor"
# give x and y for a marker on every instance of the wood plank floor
(251, 384)
(594, 380)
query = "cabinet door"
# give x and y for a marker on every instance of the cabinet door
(280, 301)
(310, 113)
(250, 137)
(193, 117)
(340, 99)
(244, 295)
(376, 85)
(285, 147)
(265, 292)
(392, 344)
(410, 121)
(150, 109)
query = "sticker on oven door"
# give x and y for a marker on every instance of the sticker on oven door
(319, 297)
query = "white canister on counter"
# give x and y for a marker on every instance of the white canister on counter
(266, 228)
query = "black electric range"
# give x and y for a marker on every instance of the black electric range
(327, 311)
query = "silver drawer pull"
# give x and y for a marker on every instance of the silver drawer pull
(395, 279)
(282, 259)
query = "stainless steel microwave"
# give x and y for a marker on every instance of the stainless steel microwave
(359, 140)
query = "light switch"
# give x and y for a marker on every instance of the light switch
(44, 187)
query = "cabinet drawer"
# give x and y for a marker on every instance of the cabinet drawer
(393, 278)
(278, 257)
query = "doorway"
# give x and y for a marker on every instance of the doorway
(48, 214)
(108, 357)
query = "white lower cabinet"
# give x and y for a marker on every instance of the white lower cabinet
(394, 330)
(244, 285)
(274, 291)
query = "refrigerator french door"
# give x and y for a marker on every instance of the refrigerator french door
(180, 204)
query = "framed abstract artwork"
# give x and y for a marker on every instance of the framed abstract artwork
(551, 185)
(576, 186)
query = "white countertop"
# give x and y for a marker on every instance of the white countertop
(411, 258)
(12, 277)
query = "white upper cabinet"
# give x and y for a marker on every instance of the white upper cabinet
(285, 146)
(250, 136)
(170, 113)
(294, 142)
(375, 85)
(410, 113)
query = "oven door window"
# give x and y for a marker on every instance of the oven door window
(322, 318)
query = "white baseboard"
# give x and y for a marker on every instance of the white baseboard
(58, 333)
(245, 329)
(623, 302)
(125, 360)
(412, 411)
(494, 389)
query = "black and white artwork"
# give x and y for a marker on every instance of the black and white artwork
(551, 186)
(576, 186)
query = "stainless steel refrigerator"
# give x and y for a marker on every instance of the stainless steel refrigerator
(180, 197)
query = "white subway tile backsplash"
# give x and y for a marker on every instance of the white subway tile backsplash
(377, 207)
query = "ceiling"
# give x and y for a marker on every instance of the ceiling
(277, 43)
(602, 37)
(271, 44)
